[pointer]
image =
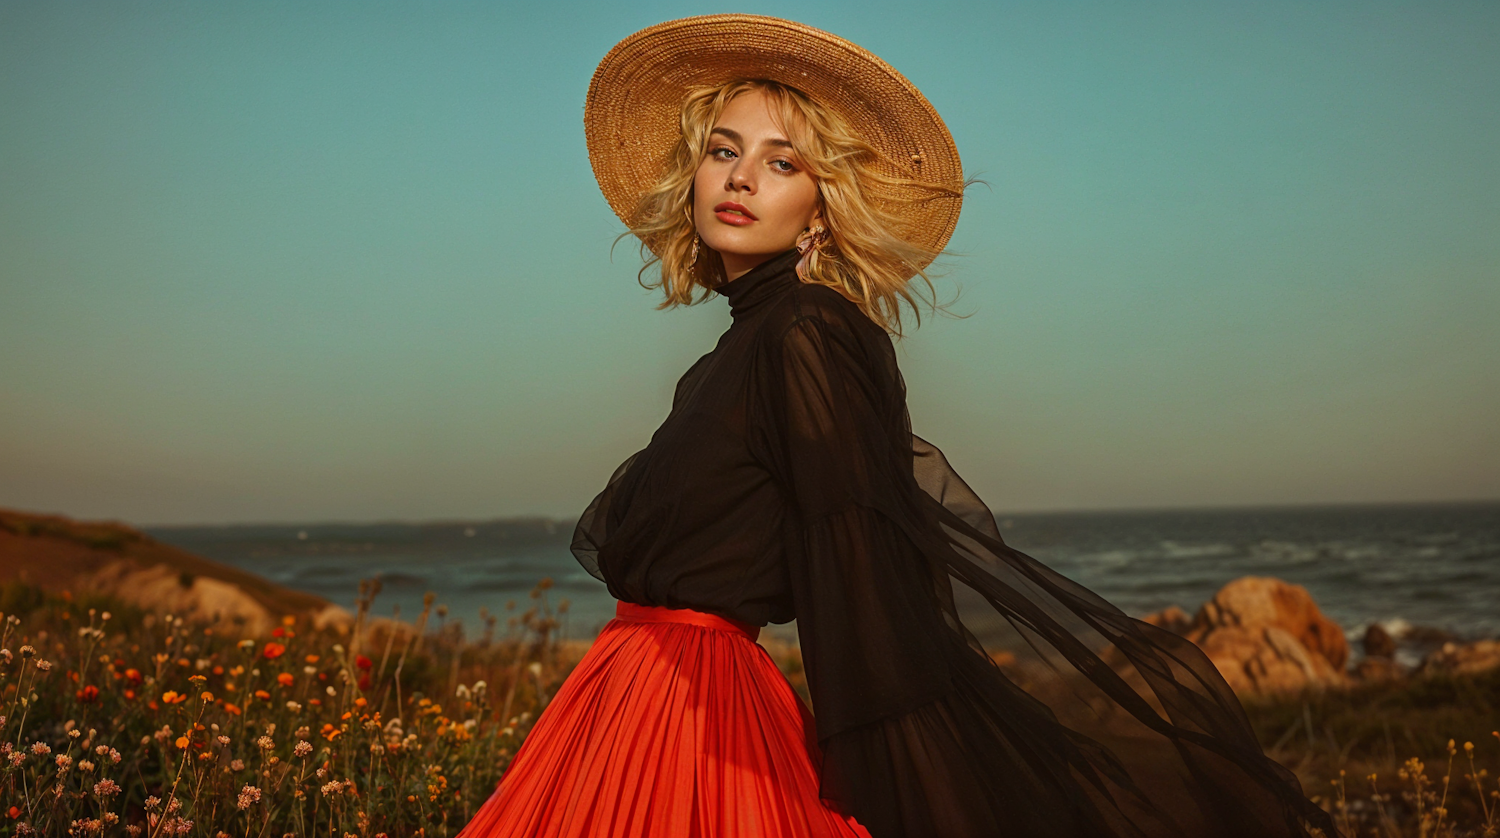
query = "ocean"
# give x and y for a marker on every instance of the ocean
(1406, 567)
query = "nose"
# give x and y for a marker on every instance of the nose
(741, 177)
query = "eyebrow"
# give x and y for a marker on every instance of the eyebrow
(734, 136)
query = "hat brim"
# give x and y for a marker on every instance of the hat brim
(632, 116)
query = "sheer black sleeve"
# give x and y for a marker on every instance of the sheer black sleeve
(960, 687)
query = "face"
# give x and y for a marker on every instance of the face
(751, 197)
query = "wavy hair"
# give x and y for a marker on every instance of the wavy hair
(864, 256)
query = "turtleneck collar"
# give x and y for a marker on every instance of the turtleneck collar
(761, 283)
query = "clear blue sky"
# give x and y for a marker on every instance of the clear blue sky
(305, 261)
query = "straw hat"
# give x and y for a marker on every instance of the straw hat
(632, 117)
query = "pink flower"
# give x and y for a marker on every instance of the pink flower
(249, 796)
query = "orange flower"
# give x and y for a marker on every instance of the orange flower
(182, 741)
(285, 679)
(173, 697)
(311, 658)
(330, 732)
(230, 708)
(278, 632)
(363, 662)
(130, 695)
(134, 677)
(207, 696)
(89, 694)
(273, 651)
(15, 812)
(262, 695)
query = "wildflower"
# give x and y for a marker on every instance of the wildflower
(237, 765)
(285, 679)
(88, 695)
(363, 662)
(44, 666)
(63, 761)
(85, 766)
(182, 742)
(265, 743)
(273, 651)
(262, 695)
(114, 756)
(164, 735)
(207, 696)
(249, 796)
(111, 818)
(233, 709)
(311, 659)
(294, 707)
(152, 802)
(106, 788)
(41, 749)
(278, 632)
(27, 652)
(5, 653)
(133, 830)
(309, 670)
(172, 697)
(302, 749)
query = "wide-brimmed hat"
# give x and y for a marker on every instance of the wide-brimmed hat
(632, 116)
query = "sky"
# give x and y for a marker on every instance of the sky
(347, 261)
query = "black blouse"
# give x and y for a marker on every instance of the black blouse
(786, 483)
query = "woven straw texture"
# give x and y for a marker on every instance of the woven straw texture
(632, 115)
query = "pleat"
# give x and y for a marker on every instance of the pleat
(667, 729)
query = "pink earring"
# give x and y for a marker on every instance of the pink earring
(807, 243)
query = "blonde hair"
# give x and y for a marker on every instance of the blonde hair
(865, 257)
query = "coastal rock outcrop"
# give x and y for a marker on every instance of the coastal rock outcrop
(201, 599)
(1268, 636)
(1461, 658)
(62, 555)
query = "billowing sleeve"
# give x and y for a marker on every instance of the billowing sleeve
(961, 688)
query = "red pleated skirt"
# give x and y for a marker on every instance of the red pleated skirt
(676, 723)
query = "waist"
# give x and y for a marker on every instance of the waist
(634, 613)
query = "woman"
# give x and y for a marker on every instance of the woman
(807, 182)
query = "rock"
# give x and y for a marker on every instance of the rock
(334, 617)
(1171, 618)
(1461, 658)
(159, 588)
(1378, 668)
(1268, 636)
(1379, 643)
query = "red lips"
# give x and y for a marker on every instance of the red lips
(731, 213)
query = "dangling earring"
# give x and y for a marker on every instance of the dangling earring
(807, 243)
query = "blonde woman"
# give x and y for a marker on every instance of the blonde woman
(807, 183)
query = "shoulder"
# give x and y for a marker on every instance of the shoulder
(817, 328)
(811, 308)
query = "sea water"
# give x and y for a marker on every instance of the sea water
(1435, 567)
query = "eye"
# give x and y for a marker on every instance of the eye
(721, 153)
(783, 166)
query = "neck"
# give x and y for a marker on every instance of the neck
(737, 265)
